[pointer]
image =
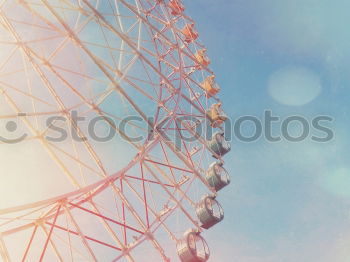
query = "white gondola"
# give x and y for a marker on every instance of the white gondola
(217, 176)
(193, 248)
(209, 212)
(219, 145)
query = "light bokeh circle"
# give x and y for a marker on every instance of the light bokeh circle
(294, 85)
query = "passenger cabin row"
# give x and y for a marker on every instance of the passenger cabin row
(192, 247)
(190, 34)
(188, 31)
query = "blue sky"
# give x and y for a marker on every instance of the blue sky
(289, 201)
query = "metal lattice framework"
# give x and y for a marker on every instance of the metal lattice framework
(106, 59)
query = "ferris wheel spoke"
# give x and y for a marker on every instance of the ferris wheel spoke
(3, 250)
(28, 53)
(46, 145)
(126, 78)
(61, 105)
(9, 56)
(31, 96)
(91, 105)
(75, 158)
(30, 243)
(120, 90)
(126, 39)
(66, 39)
(54, 155)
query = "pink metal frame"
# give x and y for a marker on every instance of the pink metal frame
(159, 163)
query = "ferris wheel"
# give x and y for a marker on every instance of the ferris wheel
(115, 99)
